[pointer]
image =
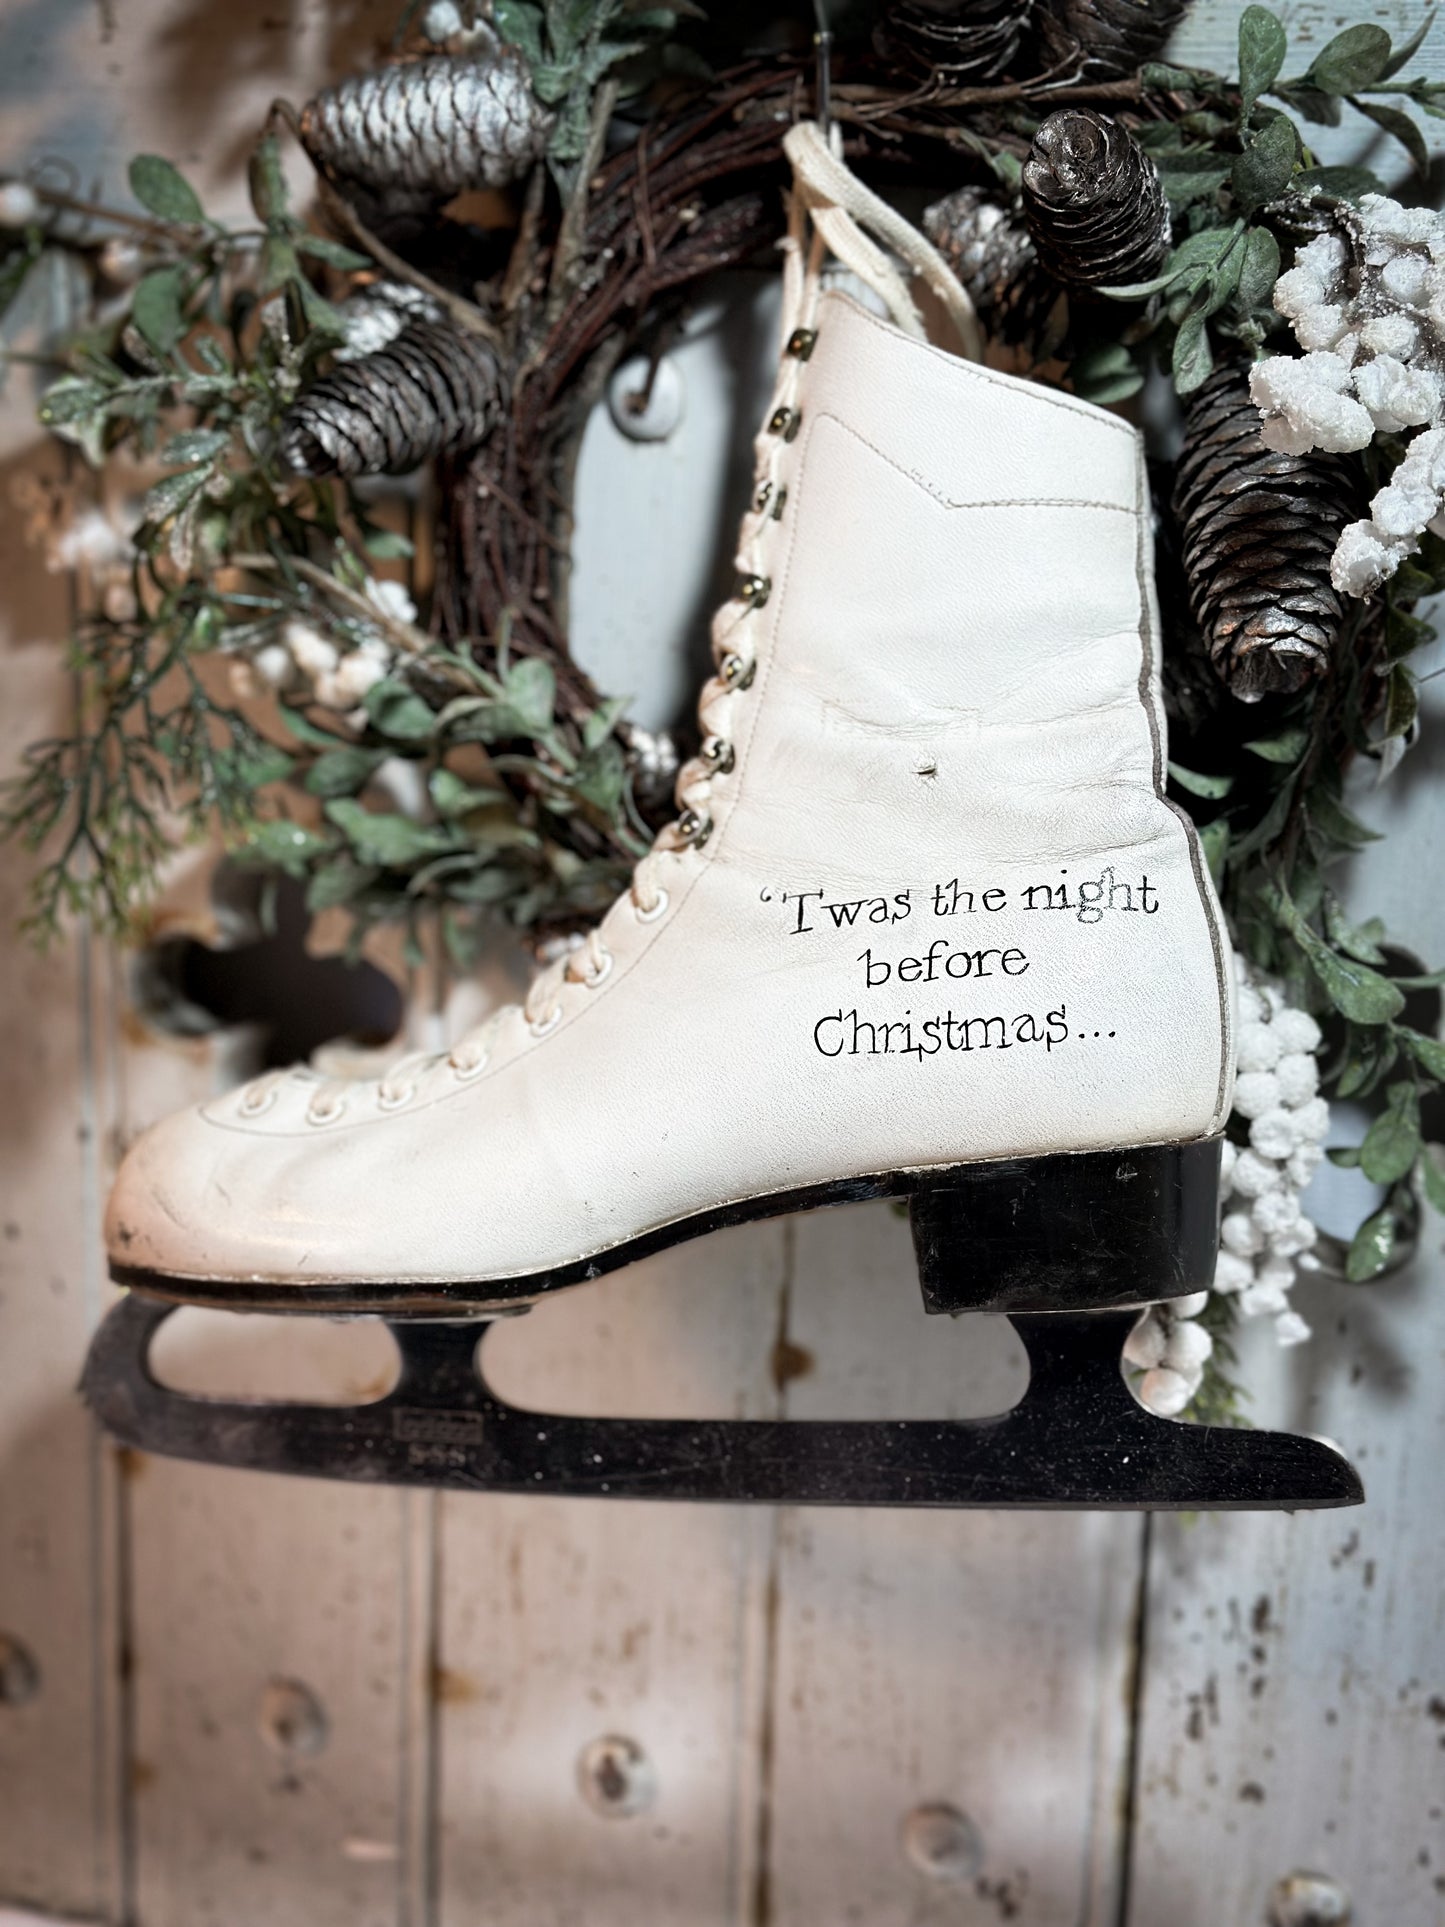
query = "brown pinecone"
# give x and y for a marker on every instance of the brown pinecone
(431, 389)
(1107, 39)
(1094, 202)
(1258, 529)
(989, 249)
(422, 130)
(956, 40)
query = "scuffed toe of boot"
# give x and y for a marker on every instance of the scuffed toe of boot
(173, 1208)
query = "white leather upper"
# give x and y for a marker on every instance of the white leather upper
(956, 680)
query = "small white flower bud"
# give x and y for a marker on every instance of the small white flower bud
(1294, 1239)
(274, 665)
(1313, 1120)
(1228, 1158)
(1254, 1175)
(1290, 1328)
(1259, 1047)
(1261, 1298)
(310, 651)
(1189, 1306)
(1299, 1077)
(1275, 1135)
(1188, 1347)
(1303, 1164)
(1256, 1092)
(1239, 1233)
(121, 261)
(1275, 1212)
(1164, 1392)
(1144, 1347)
(19, 204)
(1232, 1273)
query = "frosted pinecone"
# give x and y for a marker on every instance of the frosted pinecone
(425, 129)
(375, 315)
(431, 389)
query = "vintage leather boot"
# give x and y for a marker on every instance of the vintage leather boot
(925, 926)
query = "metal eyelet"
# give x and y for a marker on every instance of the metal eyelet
(801, 343)
(754, 589)
(464, 1073)
(592, 978)
(327, 1116)
(763, 496)
(737, 671)
(785, 422)
(719, 752)
(394, 1100)
(252, 1105)
(778, 505)
(658, 909)
(694, 828)
(546, 1025)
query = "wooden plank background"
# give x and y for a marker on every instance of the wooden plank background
(243, 1701)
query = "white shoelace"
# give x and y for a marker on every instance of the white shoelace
(828, 211)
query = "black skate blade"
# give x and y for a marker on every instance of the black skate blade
(1078, 1439)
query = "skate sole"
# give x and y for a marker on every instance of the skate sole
(1073, 1231)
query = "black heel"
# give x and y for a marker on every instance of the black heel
(1084, 1231)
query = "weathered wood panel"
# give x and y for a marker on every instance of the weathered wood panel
(566, 1623)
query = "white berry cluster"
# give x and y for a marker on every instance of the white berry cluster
(1265, 1235)
(1367, 305)
(335, 675)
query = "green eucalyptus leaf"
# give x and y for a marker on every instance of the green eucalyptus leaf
(1392, 1142)
(1402, 702)
(284, 846)
(1258, 272)
(399, 712)
(1287, 747)
(1355, 990)
(1431, 1170)
(1404, 127)
(1428, 1051)
(531, 690)
(392, 842)
(172, 493)
(1372, 1248)
(342, 880)
(1360, 940)
(1106, 373)
(1214, 841)
(603, 720)
(1263, 170)
(156, 308)
(306, 731)
(1193, 357)
(343, 771)
(321, 248)
(1353, 59)
(1263, 44)
(266, 179)
(196, 445)
(453, 797)
(1156, 76)
(386, 545)
(163, 189)
(1331, 819)
(1344, 183)
(1407, 49)
(1346, 1157)
(602, 775)
(1198, 783)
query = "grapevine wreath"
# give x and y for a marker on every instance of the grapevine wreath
(382, 705)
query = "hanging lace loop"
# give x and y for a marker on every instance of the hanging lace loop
(841, 208)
